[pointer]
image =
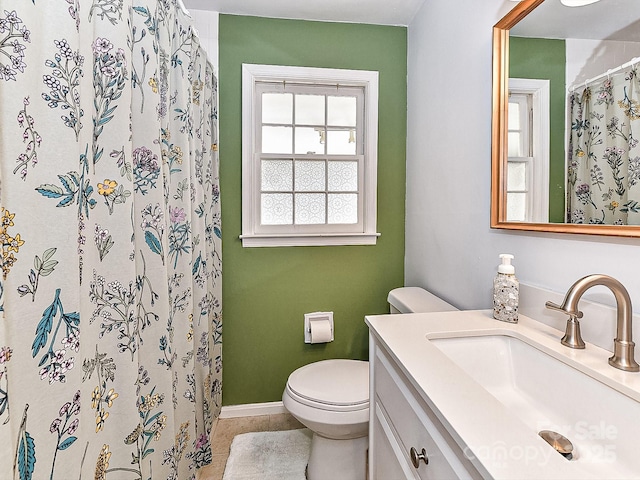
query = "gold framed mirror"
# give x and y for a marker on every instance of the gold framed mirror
(501, 161)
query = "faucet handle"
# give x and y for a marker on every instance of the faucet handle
(560, 308)
(572, 337)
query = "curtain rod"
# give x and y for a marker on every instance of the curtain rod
(611, 71)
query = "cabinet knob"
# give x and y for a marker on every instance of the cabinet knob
(416, 457)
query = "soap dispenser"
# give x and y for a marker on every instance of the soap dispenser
(506, 291)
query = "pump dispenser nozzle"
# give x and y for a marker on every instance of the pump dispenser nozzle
(506, 267)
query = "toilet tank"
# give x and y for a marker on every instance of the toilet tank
(416, 300)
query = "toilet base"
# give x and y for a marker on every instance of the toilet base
(338, 459)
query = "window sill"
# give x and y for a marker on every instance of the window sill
(309, 240)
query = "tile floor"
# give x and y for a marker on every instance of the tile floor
(226, 428)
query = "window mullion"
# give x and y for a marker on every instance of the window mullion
(326, 117)
(326, 161)
(293, 192)
(360, 123)
(293, 125)
(293, 168)
(326, 191)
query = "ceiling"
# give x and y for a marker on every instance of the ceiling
(382, 12)
(604, 20)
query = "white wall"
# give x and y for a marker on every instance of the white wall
(206, 24)
(450, 248)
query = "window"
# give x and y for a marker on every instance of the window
(309, 156)
(528, 146)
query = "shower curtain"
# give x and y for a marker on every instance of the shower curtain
(110, 313)
(603, 156)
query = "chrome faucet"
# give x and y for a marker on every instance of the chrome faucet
(623, 346)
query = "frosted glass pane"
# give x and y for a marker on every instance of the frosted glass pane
(516, 207)
(514, 116)
(341, 142)
(342, 208)
(343, 177)
(515, 144)
(310, 176)
(277, 108)
(276, 209)
(341, 111)
(516, 176)
(277, 175)
(310, 208)
(309, 109)
(308, 140)
(276, 139)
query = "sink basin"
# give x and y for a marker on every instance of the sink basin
(546, 393)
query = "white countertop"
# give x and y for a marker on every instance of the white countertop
(479, 423)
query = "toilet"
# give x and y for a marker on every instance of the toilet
(331, 398)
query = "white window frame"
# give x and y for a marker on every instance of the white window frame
(256, 235)
(538, 159)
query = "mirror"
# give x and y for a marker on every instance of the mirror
(538, 42)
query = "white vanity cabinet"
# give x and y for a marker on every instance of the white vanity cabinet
(474, 393)
(407, 440)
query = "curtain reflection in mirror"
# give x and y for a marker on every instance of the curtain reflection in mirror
(603, 155)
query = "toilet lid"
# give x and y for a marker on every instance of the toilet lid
(332, 382)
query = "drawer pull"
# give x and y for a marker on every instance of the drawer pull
(416, 457)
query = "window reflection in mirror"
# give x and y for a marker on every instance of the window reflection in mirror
(535, 65)
(520, 156)
(528, 150)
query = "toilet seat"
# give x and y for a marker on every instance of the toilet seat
(336, 385)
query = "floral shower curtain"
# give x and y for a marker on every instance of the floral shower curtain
(604, 157)
(110, 314)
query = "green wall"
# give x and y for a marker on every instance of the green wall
(267, 291)
(545, 59)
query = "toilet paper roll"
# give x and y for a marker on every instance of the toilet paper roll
(320, 331)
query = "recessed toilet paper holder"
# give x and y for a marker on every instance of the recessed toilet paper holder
(322, 324)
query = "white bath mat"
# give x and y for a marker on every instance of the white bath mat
(269, 455)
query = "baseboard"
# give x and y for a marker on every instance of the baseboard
(252, 410)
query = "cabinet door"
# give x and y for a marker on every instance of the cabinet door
(388, 463)
(415, 425)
